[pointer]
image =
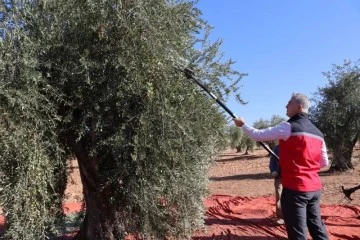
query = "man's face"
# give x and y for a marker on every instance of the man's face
(292, 108)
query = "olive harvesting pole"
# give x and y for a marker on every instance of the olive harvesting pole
(189, 74)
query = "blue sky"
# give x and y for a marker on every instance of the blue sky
(283, 45)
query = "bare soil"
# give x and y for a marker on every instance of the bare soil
(248, 175)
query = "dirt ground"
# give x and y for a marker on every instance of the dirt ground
(248, 175)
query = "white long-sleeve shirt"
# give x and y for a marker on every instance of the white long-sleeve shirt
(281, 131)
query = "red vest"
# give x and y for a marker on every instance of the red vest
(300, 156)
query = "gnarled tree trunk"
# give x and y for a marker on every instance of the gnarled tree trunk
(342, 158)
(102, 219)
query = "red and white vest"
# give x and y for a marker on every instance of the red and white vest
(300, 155)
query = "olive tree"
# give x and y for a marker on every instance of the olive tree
(248, 144)
(235, 137)
(97, 80)
(337, 112)
(239, 141)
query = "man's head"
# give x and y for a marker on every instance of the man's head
(297, 104)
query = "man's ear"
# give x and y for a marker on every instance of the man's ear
(299, 107)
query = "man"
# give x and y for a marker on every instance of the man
(303, 153)
(275, 173)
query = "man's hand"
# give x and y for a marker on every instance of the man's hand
(274, 174)
(239, 122)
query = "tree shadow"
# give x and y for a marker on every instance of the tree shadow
(265, 222)
(63, 238)
(238, 158)
(229, 154)
(252, 176)
(230, 236)
(73, 167)
(343, 236)
(251, 225)
(326, 173)
(343, 225)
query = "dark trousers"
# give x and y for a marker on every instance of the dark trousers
(301, 210)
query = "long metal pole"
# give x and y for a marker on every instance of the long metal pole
(190, 75)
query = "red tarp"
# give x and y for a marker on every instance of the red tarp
(232, 218)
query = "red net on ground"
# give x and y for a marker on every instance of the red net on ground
(233, 218)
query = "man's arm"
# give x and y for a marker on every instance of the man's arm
(281, 131)
(324, 161)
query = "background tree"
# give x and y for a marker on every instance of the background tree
(261, 124)
(239, 140)
(276, 119)
(337, 112)
(248, 144)
(236, 137)
(96, 79)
